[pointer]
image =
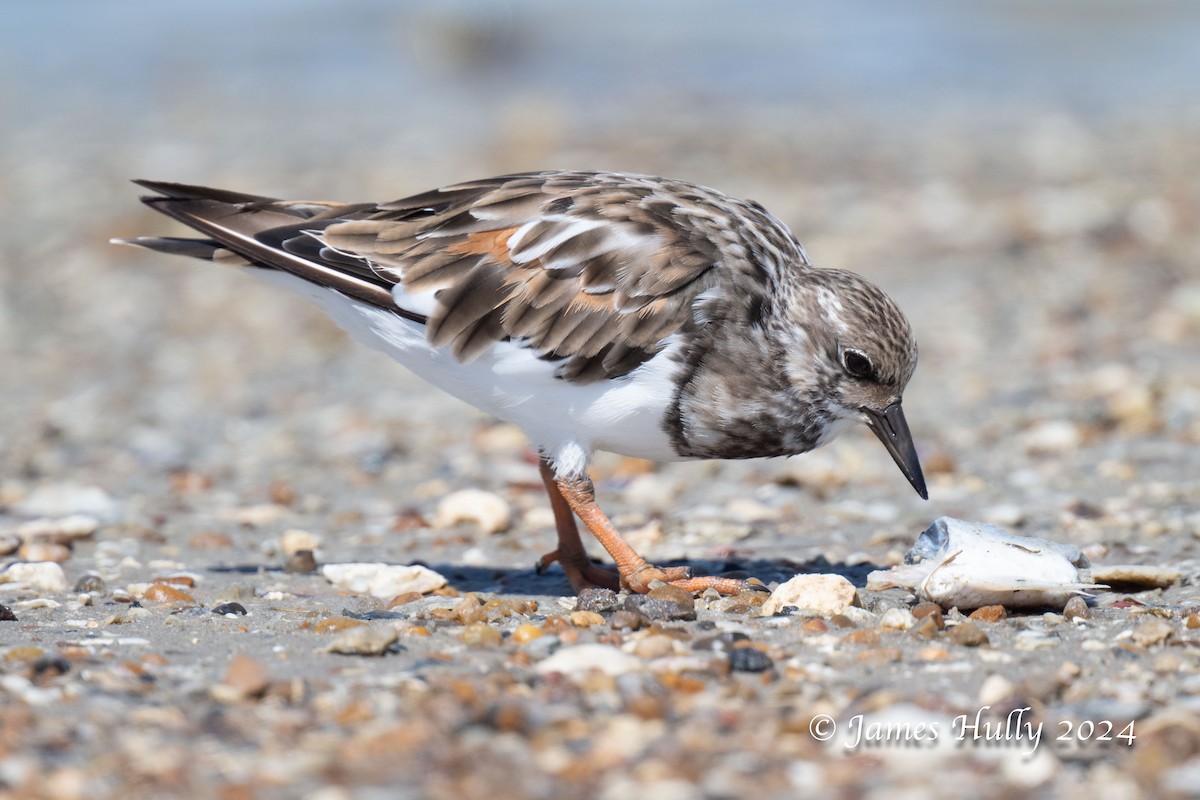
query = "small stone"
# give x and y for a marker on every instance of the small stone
(661, 610)
(6, 614)
(90, 583)
(1152, 631)
(989, 614)
(481, 634)
(526, 633)
(654, 646)
(925, 627)
(933, 653)
(967, 634)
(672, 594)
(933, 611)
(814, 626)
(383, 580)
(819, 595)
(585, 619)
(294, 540)
(897, 619)
(246, 678)
(302, 562)
(61, 500)
(363, 641)
(995, 689)
(861, 638)
(403, 599)
(9, 543)
(749, 659)
(596, 600)
(584, 658)
(337, 624)
(164, 593)
(876, 656)
(1076, 608)
(1134, 578)
(182, 579)
(1193, 621)
(44, 551)
(625, 620)
(489, 511)
(1051, 437)
(469, 610)
(40, 576)
(232, 609)
(555, 625)
(210, 540)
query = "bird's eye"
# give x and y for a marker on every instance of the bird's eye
(857, 364)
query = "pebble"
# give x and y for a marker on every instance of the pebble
(365, 640)
(230, 609)
(384, 581)
(337, 624)
(38, 576)
(44, 551)
(662, 609)
(164, 593)
(1193, 621)
(749, 659)
(9, 543)
(925, 627)
(489, 511)
(820, 595)
(993, 613)
(586, 619)
(1051, 437)
(90, 583)
(967, 634)
(66, 499)
(301, 562)
(995, 689)
(526, 633)
(584, 658)
(932, 610)
(6, 614)
(897, 619)
(245, 678)
(481, 634)
(596, 600)
(1076, 608)
(62, 530)
(1151, 631)
(626, 620)
(210, 540)
(294, 540)
(1129, 577)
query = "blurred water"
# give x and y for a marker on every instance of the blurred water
(402, 60)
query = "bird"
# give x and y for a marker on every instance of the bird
(644, 316)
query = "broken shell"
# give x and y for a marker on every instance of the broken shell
(973, 564)
(489, 511)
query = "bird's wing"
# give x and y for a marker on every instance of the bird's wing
(592, 269)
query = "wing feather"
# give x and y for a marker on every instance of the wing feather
(596, 270)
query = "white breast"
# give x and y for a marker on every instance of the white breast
(565, 421)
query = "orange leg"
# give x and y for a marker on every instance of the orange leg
(580, 570)
(633, 572)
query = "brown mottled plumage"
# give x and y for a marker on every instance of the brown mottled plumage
(642, 315)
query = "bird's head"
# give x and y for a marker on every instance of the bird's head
(864, 355)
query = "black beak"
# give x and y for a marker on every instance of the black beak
(892, 429)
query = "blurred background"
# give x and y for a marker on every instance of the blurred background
(1020, 175)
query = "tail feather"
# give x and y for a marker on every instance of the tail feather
(237, 224)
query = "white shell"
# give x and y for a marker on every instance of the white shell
(973, 564)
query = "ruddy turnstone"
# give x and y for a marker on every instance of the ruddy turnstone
(597, 311)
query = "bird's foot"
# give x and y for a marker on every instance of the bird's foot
(581, 571)
(640, 580)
